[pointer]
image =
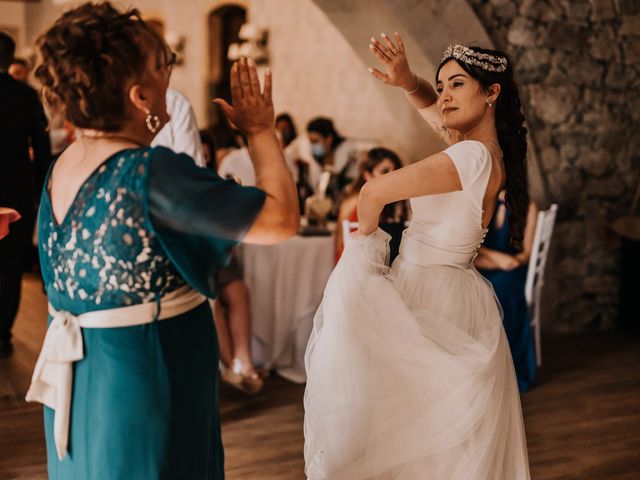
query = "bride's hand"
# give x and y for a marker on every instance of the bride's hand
(397, 72)
(251, 111)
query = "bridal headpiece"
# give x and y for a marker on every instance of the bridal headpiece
(485, 61)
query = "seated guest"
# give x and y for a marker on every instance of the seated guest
(286, 128)
(378, 162)
(232, 316)
(333, 153)
(232, 313)
(330, 149)
(506, 269)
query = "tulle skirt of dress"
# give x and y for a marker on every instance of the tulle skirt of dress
(410, 375)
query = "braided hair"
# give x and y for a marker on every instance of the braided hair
(512, 136)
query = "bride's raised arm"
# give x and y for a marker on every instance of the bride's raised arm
(419, 91)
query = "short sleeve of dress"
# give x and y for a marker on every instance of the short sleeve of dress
(471, 160)
(197, 216)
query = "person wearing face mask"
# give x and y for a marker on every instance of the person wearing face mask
(409, 373)
(333, 153)
(330, 149)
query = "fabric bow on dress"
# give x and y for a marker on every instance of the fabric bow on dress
(53, 375)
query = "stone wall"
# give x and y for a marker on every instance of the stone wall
(578, 66)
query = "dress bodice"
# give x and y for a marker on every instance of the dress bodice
(447, 228)
(104, 251)
(146, 222)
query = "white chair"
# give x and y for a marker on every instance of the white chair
(535, 272)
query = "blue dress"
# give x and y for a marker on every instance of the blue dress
(145, 398)
(509, 288)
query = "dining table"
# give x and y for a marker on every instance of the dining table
(286, 283)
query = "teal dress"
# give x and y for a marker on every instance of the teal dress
(145, 398)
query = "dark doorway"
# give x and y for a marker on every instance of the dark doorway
(224, 25)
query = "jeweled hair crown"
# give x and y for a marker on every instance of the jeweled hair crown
(484, 61)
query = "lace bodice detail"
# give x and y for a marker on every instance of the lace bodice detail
(104, 252)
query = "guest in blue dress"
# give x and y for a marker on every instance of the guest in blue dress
(131, 238)
(506, 269)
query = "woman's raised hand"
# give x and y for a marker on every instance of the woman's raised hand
(394, 59)
(252, 110)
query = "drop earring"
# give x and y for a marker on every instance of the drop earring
(152, 122)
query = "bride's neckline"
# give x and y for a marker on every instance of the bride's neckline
(484, 142)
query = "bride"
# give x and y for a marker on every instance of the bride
(409, 371)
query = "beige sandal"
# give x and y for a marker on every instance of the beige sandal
(238, 376)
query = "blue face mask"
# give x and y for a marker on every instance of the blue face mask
(318, 151)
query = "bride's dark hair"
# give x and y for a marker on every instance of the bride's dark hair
(512, 136)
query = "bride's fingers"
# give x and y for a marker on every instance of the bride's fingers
(385, 51)
(389, 43)
(400, 43)
(378, 53)
(379, 75)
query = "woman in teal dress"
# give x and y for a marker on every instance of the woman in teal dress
(128, 228)
(506, 268)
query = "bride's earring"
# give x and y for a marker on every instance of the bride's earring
(152, 122)
(489, 102)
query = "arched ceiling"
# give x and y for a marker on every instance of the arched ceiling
(427, 28)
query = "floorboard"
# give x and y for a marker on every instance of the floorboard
(582, 419)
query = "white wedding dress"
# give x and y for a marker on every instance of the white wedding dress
(409, 371)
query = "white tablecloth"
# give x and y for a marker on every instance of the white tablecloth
(286, 283)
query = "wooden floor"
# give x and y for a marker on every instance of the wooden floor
(582, 420)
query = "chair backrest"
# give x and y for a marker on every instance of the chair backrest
(539, 253)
